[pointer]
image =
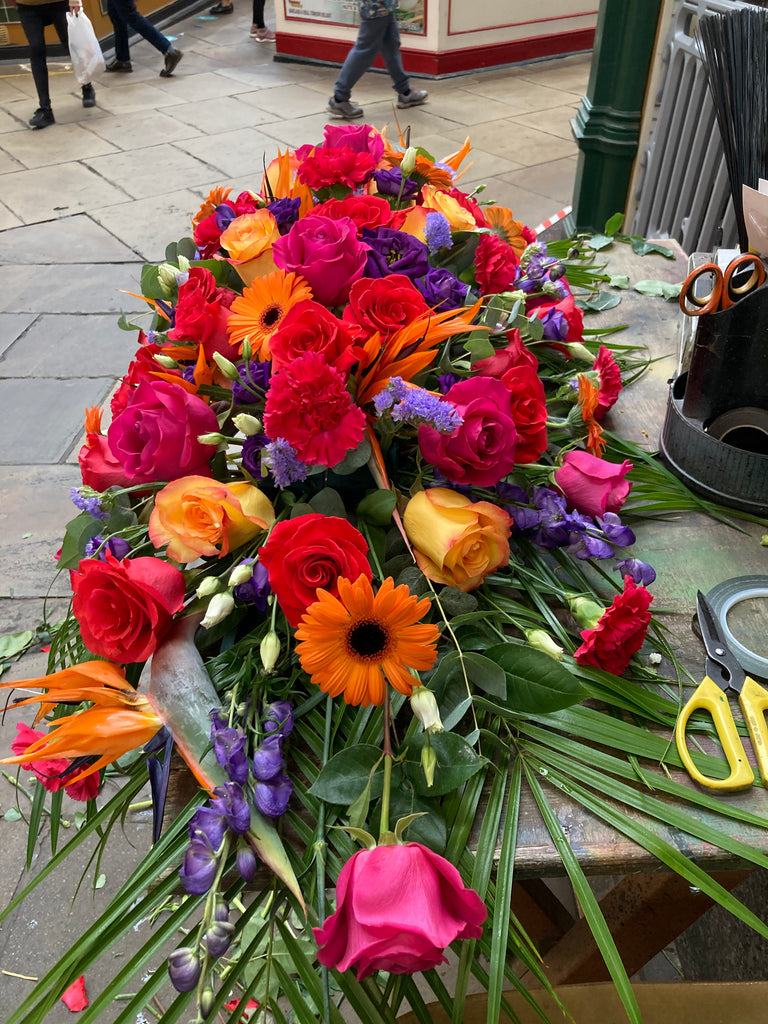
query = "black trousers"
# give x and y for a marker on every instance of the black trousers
(258, 13)
(34, 18)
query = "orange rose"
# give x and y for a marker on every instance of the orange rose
(197, 516)
(457, 541)
(249, 236)
(458, 218)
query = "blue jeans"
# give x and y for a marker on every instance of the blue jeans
(376, 36)
(123, 15)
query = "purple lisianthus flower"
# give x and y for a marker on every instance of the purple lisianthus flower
(615, 531)
(394, 252)
(251, 453)
(446, 382)
(278, 717)
(224, 215)
(511, 492)
(229, 800)
(253, 383)
(272, 797)
(256, 590)
(198, 869)
(285, 212)
(642, 573)
(442, 289)
(388, 183)
(268, 759)
(229, 748)
(96, 548)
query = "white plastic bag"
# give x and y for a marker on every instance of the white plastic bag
(84, 50)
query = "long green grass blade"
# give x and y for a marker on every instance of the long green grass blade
(504, 878)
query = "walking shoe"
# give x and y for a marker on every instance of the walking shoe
(119, 65)
(89, 96)
(262, 35)
(172, 58)
(344, 110)
(221, 9)
(412, 98)
(42, 118)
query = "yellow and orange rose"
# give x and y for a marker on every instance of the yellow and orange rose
(457, 541)
(196, 516)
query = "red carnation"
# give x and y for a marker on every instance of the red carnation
(529, 411)
(50, 773)
(366, 211)
(309, 406)
(201, 314)
(384, 304)
(335, 166)
(620, 632)
(310, 327)
(496, 265)
(608, 379)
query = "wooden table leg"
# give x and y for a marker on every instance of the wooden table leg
(540, 912)
(644, 914)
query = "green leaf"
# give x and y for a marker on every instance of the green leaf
(429, 828)
(354, 460)
(377, 507)
(504, 878)
(478, 346)
(456, 762)
(661, 289)
(618, 281)
(329, 502)
(644, 248)
(12, 814)
(613, 224)
(603, 301)
(357, 812)
(536, 683)
(485, 674)
(456, 602)
(15, 643)
(598, 242)
(76, 535)
(346, 775)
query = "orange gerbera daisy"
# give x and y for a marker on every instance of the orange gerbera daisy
(118, 720)
(214, 198)
(259, 311)
(502, 222)
(353, 644)
(589, 394)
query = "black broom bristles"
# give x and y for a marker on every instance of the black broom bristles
(735, 47)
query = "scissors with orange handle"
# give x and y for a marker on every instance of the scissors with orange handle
(724, 674)
(739, 278)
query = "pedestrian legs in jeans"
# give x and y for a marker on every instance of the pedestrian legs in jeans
(124, 16)
(375, 36)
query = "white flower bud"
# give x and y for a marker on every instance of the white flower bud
(166, 278)
(424, 706)
(184, 263)
(219, 608)
(227, 368)
(241, 574)
(166, 361)
(586, 611)
(210, 586)
(211, 438)
(247, 424)
(269, 649)
(408, 163)
(542, 641)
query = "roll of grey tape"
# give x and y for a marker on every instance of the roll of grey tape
(722, 599)
(745, 428)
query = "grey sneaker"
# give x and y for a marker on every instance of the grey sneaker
(413, 98)
(172, 58)
(343, 110)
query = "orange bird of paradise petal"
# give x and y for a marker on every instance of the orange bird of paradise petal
(589, 394)
(119, 719)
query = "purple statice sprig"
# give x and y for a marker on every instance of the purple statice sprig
(90, 501)
(279, 458)
(414, 406)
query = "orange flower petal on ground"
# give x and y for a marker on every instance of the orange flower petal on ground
(259, 311)
(118, 721)
(352, 645)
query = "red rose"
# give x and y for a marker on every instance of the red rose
(98, 466)
(335, 166)
(529, 411)
(482, 450)
(50, 773)
(515, 354)
(397, 909)
(310, 327)
(591, 485)
(308, 552)
(496, 265)
(384, 304)
(620, 632)
(365, 211)
(470, 205)
(155, 437)
(201, 314)
(125, 608)
(608, 379)
(309, 406)
(326, 253)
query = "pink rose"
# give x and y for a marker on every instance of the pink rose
(515, 354)
(591, 485)
(326, 253)
(360, 137)
(155, 437)
(482, 450)
(397, 908)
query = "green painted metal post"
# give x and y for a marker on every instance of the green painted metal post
(607, 125)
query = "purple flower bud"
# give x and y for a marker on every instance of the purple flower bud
(218, 938)
(245, 859)
(229, 748)
(272, 797)
(184, 969)
(229, 800)
(221, 911)
(286, 213)
(199, 867)
(209, 823)
(642, 573)
(278, 717)
(251, 452)
(613, 529)
(442, 289)
(256, 590)
(268, 759)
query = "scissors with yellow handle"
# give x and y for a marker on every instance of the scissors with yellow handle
(739, 278)
(724, 674)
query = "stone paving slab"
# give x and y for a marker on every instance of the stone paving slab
(148, 225)
(46, 193)
(150, 172)
(76, 239)
(12, 326)
(68, 289)
(70, 346)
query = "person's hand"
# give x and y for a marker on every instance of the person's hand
(75, 6)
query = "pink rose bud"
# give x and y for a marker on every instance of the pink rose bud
(591, 485)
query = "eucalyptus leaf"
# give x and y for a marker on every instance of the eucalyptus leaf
(603, 301)
(478, 346)
(328, 502)
(377, 507)
(345, 776)
(536, 683)
(618, 281)
(660, 289)
(599, 241)
(12, 814)
(15, 643)
(456, 602)
(354, 460)
(644, 248)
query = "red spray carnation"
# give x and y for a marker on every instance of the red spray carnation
(384, 304)
(201, 315)
(366, 211)
(620, 632)
(310, 327)
(516, 353)
(529, 411)
(309, 406)
(496, 265)
(609, 381)
(207, 233)
(49, 772)
(335, 166)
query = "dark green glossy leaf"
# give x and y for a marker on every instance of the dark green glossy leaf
(536, 683)
(346, 775)
(329, 503)
(486, 674)
(377, 507)
(456, 762)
